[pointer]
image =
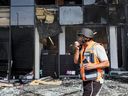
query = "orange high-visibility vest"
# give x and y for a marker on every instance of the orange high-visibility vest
(95, 59)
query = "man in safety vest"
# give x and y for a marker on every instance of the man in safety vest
(93, 59)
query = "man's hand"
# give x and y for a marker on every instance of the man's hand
(103, 64)
(89, 66)
(76, 45)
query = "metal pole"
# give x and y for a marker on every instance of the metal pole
(9, 57)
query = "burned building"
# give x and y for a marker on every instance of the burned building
(39, 35)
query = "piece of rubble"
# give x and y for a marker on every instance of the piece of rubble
(52, 82)
(46, 80)
(5, 85)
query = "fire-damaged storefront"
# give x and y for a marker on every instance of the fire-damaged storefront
(41, 34)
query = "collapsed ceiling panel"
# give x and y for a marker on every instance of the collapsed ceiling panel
(47, 22)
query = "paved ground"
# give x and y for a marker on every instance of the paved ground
(71, 87)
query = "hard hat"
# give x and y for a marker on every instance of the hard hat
(86, 32)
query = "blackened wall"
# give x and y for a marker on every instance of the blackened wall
(22, 49)
(4, 50)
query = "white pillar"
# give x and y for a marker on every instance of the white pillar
(113, 47)
(37, 55)
(62, 42)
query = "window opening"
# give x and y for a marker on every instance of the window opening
(45, 2)
(4, 2)
(95, 14)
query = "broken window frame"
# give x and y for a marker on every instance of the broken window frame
(60, 2)
(49, 39)
(5, 2)
(40, 2)
(99, 20)
(118, 13)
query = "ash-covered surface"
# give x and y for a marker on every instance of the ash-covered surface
(69, 87)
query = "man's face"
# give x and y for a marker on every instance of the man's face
(79, 38)
(82, 39)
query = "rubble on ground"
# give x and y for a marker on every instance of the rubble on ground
(68, 87)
